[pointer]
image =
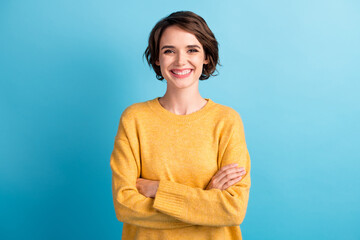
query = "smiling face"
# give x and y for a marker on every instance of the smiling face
(181, 57)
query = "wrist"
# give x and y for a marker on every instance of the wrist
(156, 187)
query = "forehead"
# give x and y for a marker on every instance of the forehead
(177, 36)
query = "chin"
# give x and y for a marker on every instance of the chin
(181, 83)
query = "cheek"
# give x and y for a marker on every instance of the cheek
(199, 60)
(164, 62)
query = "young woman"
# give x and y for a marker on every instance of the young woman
(180, 165)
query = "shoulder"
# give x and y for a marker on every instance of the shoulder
(135, 111)
(228, 119)
(230, 122)
(227, 113)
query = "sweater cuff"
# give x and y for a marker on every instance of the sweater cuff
(169, 198)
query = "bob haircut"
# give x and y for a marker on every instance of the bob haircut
(189, 22)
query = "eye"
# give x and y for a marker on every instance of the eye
(193, 50)
(168, 51)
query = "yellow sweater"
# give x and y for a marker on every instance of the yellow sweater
(183, 152)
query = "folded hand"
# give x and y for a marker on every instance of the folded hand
(147, 187)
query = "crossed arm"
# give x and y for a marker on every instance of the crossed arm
(167, 205)
(226, 177)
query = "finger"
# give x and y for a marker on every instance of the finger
(231, 183)
(230, 177)
(227, 175)
(225, 168)
(226, 172)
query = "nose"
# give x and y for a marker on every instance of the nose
(180, 58)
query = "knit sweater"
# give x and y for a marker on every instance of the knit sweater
(182, 152)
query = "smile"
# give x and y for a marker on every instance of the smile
(181, 73)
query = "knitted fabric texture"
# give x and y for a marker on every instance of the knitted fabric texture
(182, 152)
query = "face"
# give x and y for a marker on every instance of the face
(181, 57)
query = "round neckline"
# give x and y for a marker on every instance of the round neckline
(155, 104)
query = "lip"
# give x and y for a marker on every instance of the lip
(181, 76)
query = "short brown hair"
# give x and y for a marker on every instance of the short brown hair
(189, 22)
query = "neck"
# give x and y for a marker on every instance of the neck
(182, 102)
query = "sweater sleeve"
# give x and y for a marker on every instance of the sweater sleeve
(212, 207)
(131, 206)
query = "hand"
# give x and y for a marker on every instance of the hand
(226, 177)
(146, 187)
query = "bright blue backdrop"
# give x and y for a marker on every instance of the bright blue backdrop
(69, 68)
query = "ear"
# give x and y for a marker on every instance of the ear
(157, 62)
(206, 61)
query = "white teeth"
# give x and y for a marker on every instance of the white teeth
(182, 73)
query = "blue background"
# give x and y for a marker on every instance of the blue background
(69, 68)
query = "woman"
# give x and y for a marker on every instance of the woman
(180, 163)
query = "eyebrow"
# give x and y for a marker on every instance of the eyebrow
(188, 46)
